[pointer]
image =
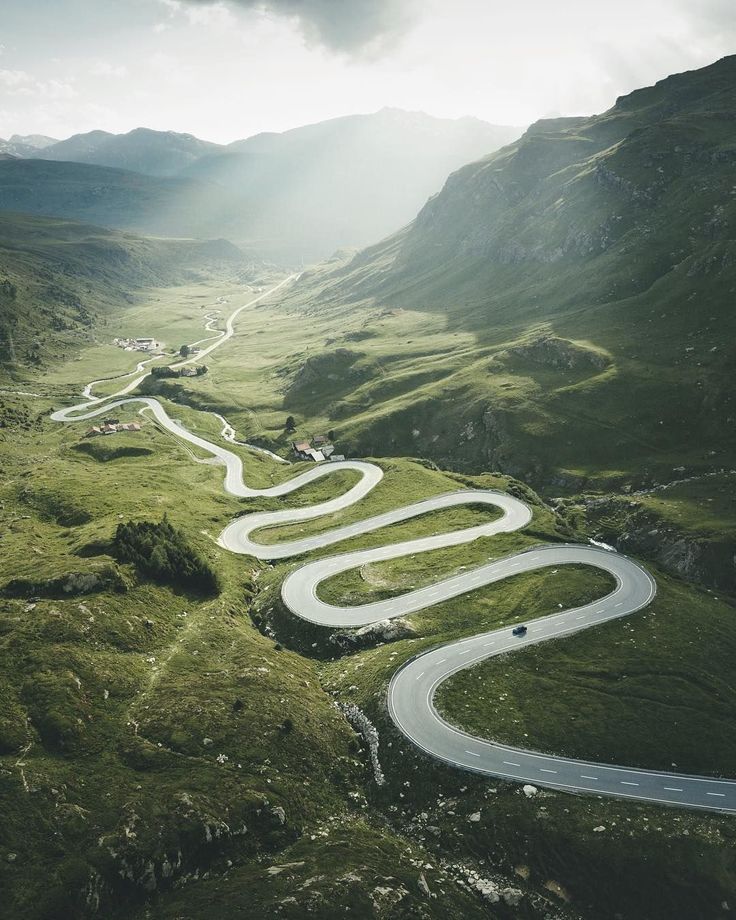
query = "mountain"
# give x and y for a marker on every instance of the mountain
(593, 263)
(300, 194)
(58, 277)
(344, 182)
(106, 196)
(38, 141)
(19, 146)
(155, 153)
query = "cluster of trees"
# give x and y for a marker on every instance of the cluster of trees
(162, 552)
(173, 372)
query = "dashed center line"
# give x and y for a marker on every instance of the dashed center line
(626, 783)
(672, 789)
(510, 763)
(473, 753)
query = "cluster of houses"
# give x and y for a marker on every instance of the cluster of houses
(143, 344)
(111, 426)
(318, 449)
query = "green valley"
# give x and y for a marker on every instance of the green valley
(475, 657)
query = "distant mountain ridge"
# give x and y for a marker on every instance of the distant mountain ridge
(296, 195)
(27, 145)
(155, 153)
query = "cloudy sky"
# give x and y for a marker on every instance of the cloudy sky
(229, 69)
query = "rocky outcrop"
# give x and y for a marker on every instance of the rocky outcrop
(73, 584)
(373, 634)
(630, 527)
(550, 351)
(363, 725)
(327, 366)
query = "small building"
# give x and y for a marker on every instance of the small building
(301, 449)
(319, 440)
(93, 432)
(336, 458)
(328, 450)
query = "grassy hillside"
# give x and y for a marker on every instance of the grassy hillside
(152, 739)
(613, 234)
(59, 278)
(106, 196)
(561, 311)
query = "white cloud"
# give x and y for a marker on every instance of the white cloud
(54, 89)
(214, 14)
(12, 78)
(21, 83)
(231, 68)
(106, 69)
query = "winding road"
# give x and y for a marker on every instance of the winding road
(413, 687)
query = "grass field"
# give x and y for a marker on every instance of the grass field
(192, 714)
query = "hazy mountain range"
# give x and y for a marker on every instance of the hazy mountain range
(301, 194)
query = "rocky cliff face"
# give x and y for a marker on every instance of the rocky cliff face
(705, 558)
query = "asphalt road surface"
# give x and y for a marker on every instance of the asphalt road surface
(413, 687)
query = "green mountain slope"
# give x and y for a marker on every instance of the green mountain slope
(594, 262)
(106, 196)
(58, 277)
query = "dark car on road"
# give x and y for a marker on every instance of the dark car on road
(519, 630)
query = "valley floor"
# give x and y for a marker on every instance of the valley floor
(171, 751)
